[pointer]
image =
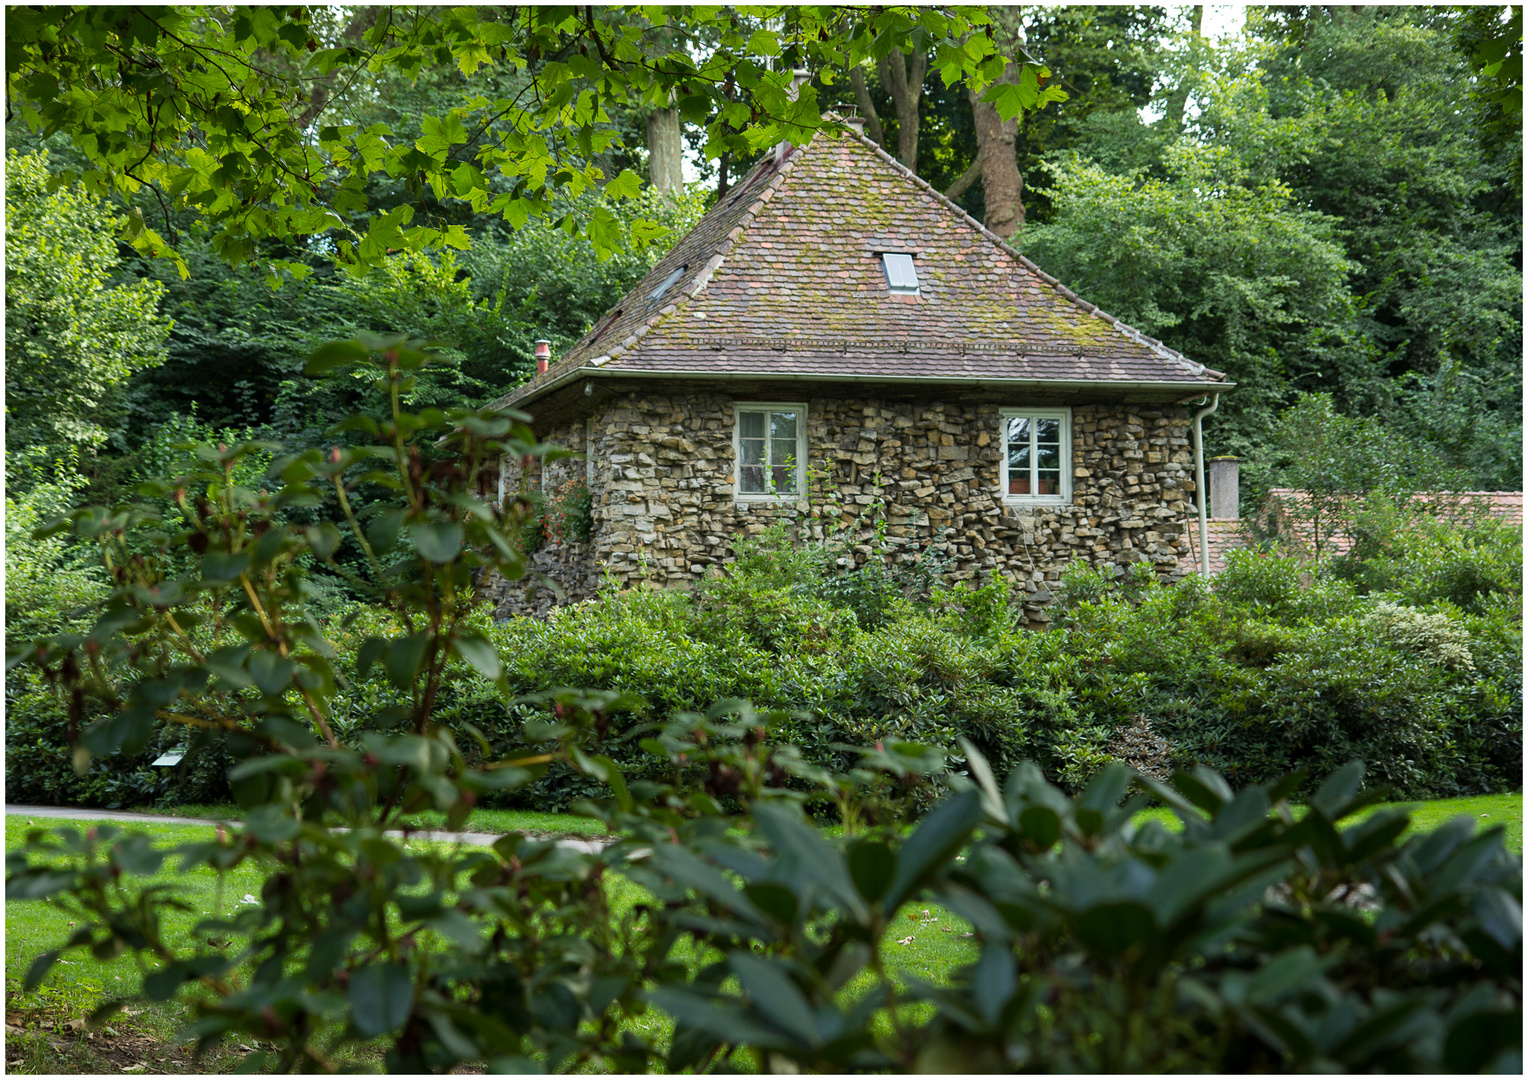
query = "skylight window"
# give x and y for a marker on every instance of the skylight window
(666, 284)
(901, 275)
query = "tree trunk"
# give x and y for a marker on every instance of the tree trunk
(967, 178)
(1178, 101)
(1002, 183)
(722, 181)
(902, 76)
(867, 107)
(665, 151)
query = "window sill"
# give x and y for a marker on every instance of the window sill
(768, 500)
(1036, 500)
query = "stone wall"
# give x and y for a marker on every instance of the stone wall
(665, 510)
(574, 567)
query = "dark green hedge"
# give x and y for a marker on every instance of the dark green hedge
(1256, 674)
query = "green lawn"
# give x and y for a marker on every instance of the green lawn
(1484, 810)
(487, 821)
(1505, 810)
(80, 982)
(931, 943)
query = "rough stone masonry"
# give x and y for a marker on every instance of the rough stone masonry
(661, 472)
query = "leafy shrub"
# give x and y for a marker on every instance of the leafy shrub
(532, 535)
(1260, 675)
(1422, 560)
(49, 581)
(565, 515)
(570, 513)
(1248, 940)
(1259, 580)
(1430, 633)
(42, 768)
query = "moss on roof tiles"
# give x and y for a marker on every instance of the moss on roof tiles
(793, 248)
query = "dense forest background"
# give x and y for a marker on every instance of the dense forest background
(1328, 202)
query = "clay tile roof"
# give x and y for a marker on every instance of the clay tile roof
(784, 277)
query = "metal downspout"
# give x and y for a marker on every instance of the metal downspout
(1200, 493)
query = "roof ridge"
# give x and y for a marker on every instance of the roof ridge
(1164, 351)
(724, 247)
(936, 343)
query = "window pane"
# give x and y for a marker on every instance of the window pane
(667, 284)
(784, 479)
(751, 425)
(1018, 456)
(782, 425)
(782, 458)
(751, 463)
(1018, 468)
(900, 273)
(1036, 466)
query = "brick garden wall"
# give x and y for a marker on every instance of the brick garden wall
(665, 512)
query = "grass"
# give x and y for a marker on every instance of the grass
(532, 822)
(80, 982)
(1486, 810)
(931, 944)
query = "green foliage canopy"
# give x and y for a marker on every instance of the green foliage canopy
(71, 337)
(223, 110)
(1339, 212)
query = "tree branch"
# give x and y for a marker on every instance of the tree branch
(967, 178)
(867, 107)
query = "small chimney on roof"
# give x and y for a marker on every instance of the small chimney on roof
(799, 77)
(854, 120)
(1225, 498)
(543, 356)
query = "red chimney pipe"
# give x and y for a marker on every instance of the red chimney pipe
(543, 356)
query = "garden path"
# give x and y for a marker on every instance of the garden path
(91, 814)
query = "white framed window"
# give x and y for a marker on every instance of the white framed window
(1037, 455)
(901, 274)
(769, 450)
(665, 285)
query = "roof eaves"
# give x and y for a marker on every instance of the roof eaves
(1130, 332)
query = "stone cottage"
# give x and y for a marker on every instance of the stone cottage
(837, 339)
